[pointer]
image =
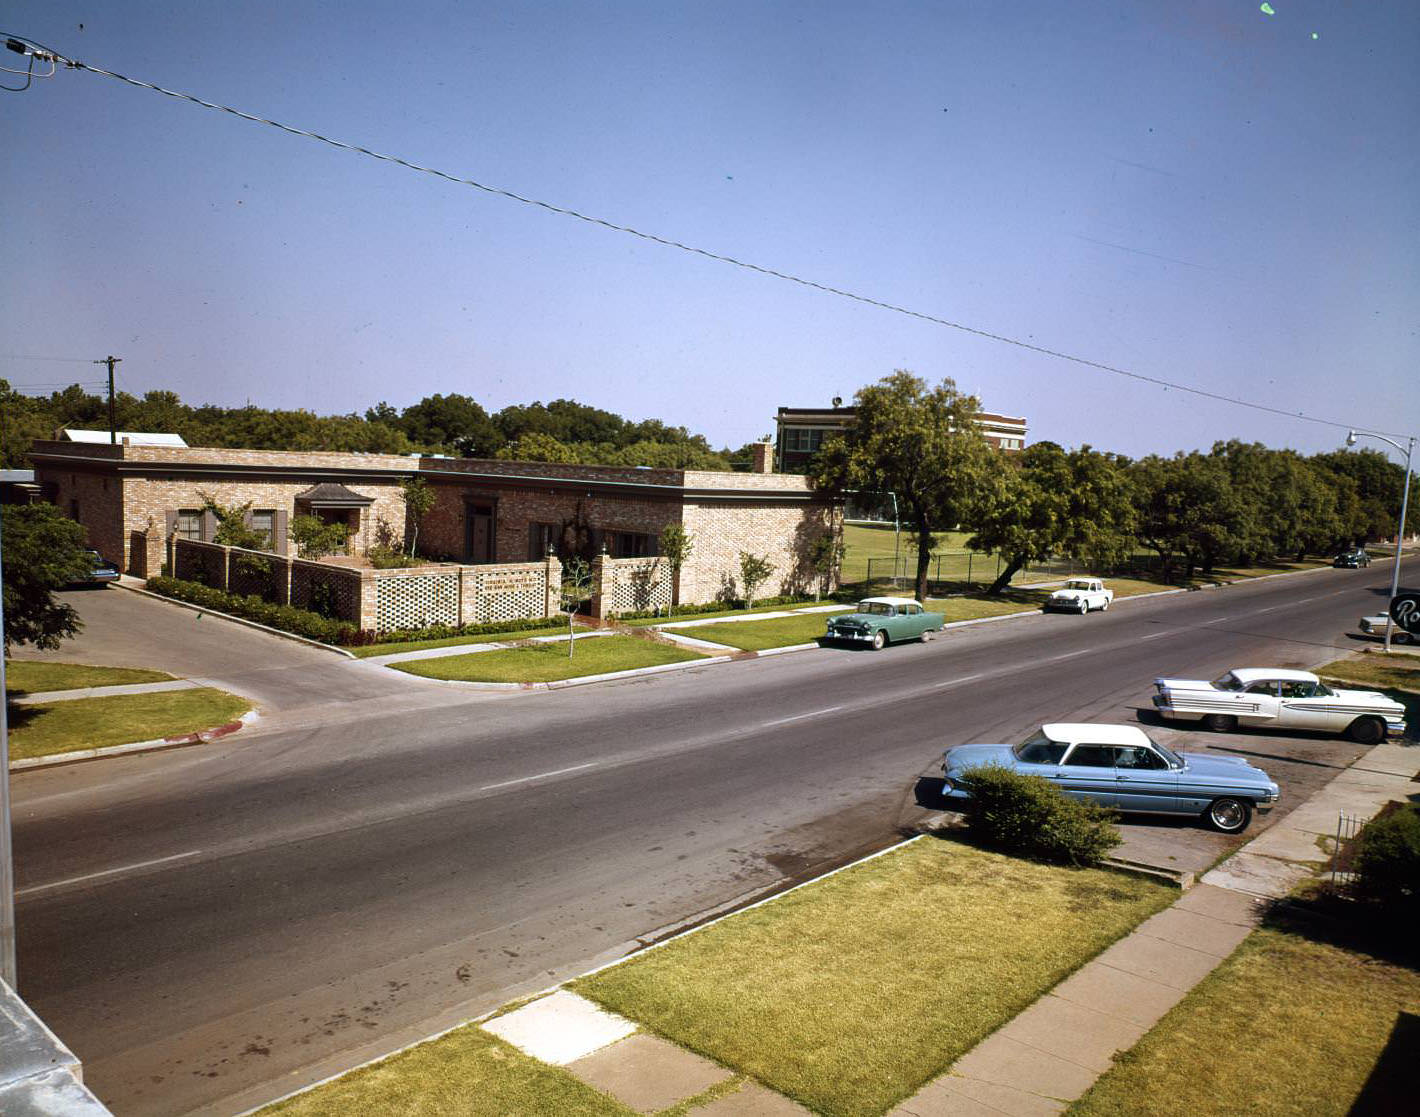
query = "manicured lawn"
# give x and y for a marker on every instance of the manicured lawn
(453, 641)
(31, 676)
(862, 543)
(849, 994)
(753, 636)
(1286, 1025)
(91, 723)
(1224, 573)
(548, 662)
(467, 1071)
(643, 622)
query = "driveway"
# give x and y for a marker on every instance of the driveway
(125, 629)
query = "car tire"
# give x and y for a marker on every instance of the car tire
(1228, 815)
(1104, 605)
(1221, 723)
(1084, 606)
(879, 640)
(1367, 731)
(927, 634)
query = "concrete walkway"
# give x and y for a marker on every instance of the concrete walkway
(105, 691)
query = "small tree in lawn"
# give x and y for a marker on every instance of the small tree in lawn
(418, 502)
(316, 538)
(676, 545)
(576, 588)
(825, 553)
(754, 572)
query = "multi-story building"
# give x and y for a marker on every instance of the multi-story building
(802, 431)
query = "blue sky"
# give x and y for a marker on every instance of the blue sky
(1198, 192)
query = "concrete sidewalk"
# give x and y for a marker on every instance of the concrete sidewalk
(105, 691)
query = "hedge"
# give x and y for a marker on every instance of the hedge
(1388, 858)
(303, 622)
(1028, 815)
(288, 618)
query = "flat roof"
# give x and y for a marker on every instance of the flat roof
(134, 438)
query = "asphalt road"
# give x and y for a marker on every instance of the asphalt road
(212, 927)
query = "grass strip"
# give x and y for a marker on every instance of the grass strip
(50, 728)
(753, 636)
(467, 1071)
(453, 641)
(850, 994)
(32, 676)
(1286, 1025)
(544, 663)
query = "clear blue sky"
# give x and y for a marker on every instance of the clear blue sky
(1197, 191)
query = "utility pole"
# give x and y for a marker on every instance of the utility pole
(112, 427)
(7, 866)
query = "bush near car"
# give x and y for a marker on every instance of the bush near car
(1387, 862)
(288, 618)
(1025, 815)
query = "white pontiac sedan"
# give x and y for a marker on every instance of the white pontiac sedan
(1282, 699)
(1080, 595)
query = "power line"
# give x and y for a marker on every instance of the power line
(45, 54)
(67, 360)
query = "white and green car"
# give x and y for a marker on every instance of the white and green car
(880, 621)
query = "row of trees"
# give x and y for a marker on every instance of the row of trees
(562, 430)
(1240, 502)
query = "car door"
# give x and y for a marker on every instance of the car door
(1258, 703)
(1307, 705)
(1088, 773)
(1144, 781)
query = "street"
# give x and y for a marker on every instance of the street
(212, 927)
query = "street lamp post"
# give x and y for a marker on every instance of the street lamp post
(1408, 450)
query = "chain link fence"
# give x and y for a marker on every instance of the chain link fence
(962, 571)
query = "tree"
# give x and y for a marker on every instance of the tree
(453, 422)
(232, 527)
(922, 444)
(575, 588)
(315, 538)
(1049, 501)
(825, 555)
(418, 503)
(538, 447)
(1187, 508)
(42, 551)
(676, 545)
(754, 572)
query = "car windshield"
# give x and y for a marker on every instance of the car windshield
(1228, 682)
(875, 608)
(1076, 584)
(1040, 749)
(1175, 761)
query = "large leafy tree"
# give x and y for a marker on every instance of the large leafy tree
(1049, 501)
(1188, 510)
(1369, 487)
(922, 444)
(42, 551)
(451, 423)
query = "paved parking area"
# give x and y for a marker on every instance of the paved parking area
(1301, 765)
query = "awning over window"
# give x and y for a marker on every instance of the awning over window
(331, 494)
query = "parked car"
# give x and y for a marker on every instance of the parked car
(1374, 625)
(880, 621)
(101, 571)
(1355, 557)
(1122, 767)
(1080, 595)
(1281, 699)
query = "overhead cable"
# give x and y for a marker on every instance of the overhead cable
(54, 57)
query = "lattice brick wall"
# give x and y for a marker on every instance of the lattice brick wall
(199, 562)
(416, 601)
(261, 574)
(344, 588)
(635, 585)
(504, 593)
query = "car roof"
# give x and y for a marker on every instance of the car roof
(889, 600)
(1254, 674)
(1095, 733)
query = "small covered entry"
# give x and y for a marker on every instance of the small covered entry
(335, 504)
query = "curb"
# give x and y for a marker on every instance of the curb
(583, 680)
(238, 620)
(162, 744)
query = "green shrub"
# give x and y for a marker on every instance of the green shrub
(1027, 815)
(1387, 862)
(389, 558)
(287, 618)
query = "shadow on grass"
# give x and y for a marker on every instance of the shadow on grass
(1328, 915)
(1394, 1082)
(17, 717)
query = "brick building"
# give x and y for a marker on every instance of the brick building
(801, 431)
(134, 497)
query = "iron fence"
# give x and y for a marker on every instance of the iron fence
(1347, 827)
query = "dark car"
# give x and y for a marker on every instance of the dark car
(1353, 558)
(101, 571)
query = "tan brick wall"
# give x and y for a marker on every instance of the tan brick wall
(782, 533)
(99, 503)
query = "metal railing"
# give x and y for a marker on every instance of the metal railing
(1347, 827)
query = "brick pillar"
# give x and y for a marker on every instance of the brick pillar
(366, 619)
(761, 457)
(600, 585)
(554, 586)
(226, 570)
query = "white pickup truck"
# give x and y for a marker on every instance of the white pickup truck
(1080, 595)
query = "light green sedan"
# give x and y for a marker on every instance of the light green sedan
(880, 621)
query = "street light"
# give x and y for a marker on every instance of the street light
(1407, 450)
